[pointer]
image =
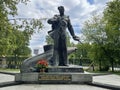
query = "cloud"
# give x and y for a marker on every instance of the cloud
(78, 10)
(82, 11)
(102, 2)
(69, 4)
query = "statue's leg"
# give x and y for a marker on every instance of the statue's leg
(55, 52)
(62, 52)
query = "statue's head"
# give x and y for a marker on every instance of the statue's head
(61, 9)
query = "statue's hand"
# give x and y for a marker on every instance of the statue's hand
(76, 38)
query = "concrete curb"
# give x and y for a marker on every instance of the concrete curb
(101, 74)
(9, 73)
(108, 86)
(12, 83)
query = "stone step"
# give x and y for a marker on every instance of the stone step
(66, 69)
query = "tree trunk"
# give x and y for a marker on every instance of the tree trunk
(112, 64)
(99, 64)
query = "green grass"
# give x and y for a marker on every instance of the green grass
(98, 71)
(118, 72)
(2, 69)
(110, 72)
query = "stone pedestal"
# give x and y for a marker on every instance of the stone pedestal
(56, 78)
(56, 75)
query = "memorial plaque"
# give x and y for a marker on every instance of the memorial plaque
(55, 77)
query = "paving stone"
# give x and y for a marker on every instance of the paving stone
(52, 87)
(108, 79)
(6, 78)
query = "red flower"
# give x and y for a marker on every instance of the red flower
(42, 63)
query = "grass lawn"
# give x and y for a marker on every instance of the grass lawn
(10, 70)
(116, 72)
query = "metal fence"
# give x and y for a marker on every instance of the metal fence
(12, 62)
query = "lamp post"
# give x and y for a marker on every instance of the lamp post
(81, 60)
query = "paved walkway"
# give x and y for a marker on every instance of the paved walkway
(104, 79)
(111, 79)
(6, 78)
(52, 87)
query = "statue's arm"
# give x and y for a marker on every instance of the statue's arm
(53, 20)
(70, 28)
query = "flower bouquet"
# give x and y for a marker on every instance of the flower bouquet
(42, 65)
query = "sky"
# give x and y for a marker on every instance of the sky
(78, 11)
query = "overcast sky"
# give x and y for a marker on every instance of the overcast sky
(78, 10)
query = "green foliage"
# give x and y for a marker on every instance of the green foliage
(95, 33)
(7, 38)
(112, 18)
(49, 40)
(29, 25)
(80, 55)
(15, 33)
(82, 50)
(21, 42)
(112, 14)
(94, 30)
(104, 35)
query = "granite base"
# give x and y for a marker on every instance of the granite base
(56, 78)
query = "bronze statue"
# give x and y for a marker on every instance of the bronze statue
(58, 33)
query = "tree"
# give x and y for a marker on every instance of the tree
(94, 31)
(6, 40)
(104, 34)
(112, 18)
(21, 42)
(82, 52)
(7, 7)
(9, 28)
(49, 40)
(22, 51)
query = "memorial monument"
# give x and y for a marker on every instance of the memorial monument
(59, 24)
(58, 70)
